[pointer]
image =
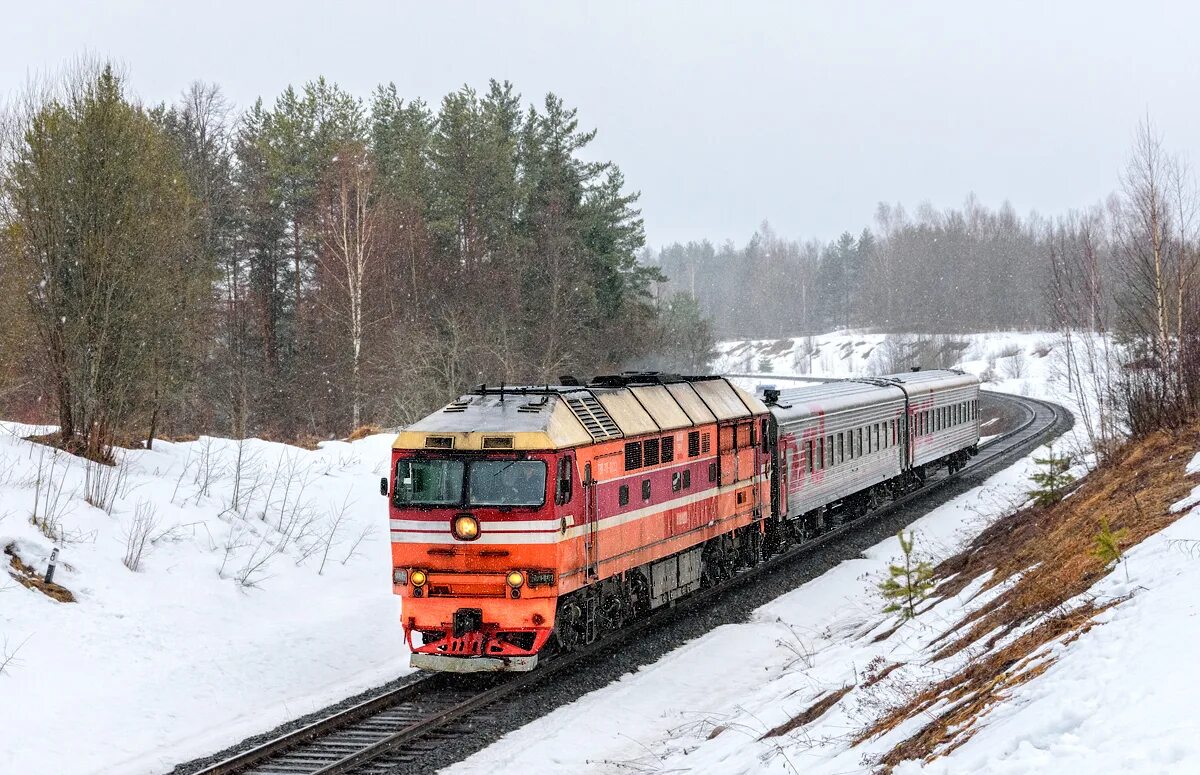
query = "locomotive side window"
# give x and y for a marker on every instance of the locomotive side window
(645, 489)
(668, 449)
(623, 495)
(676, 481)
(712, 472)
(693, 443)
(633, 456)
(563, 487)
(766, 439)
(687, 478)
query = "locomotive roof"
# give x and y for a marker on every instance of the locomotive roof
(837, 395)
(563, 416)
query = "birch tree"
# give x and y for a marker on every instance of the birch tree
(353, 220)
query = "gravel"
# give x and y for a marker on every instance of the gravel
(478, 731)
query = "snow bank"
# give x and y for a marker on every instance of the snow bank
(230, 625)
(1118, 699)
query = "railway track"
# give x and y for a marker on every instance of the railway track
(394, 731)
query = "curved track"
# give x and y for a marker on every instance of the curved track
(399, 729)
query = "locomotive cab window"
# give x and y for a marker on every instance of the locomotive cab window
(562, 487)
(645, 489)
(428, 483)
(687, 478)
(507, 482)
(623, 495)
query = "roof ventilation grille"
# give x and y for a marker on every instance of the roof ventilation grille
(595, 418)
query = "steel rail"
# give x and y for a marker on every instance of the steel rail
(428, 695)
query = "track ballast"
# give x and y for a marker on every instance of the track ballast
(401, 729)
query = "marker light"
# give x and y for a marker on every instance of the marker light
(465, 527)
(400, 575)
(515, 579)
(418, 578)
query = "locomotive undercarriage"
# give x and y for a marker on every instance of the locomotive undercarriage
(589, 613)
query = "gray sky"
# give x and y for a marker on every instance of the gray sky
(805, 114)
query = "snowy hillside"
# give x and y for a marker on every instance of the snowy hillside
(1029, 657)
(262, 593)
(1008, 354)
(255, 602)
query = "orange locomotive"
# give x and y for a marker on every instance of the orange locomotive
(535, 518)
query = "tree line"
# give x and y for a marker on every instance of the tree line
(1125, 269)
(958, 270)
(308, 265)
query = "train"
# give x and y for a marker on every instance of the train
(533, 520)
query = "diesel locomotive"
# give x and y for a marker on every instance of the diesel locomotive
(534, 519)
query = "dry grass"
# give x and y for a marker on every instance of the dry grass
(810, 714)
(363, 431)
(1044, 557)
(75, 446)
(30, 578)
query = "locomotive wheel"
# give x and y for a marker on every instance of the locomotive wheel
(639, 594)
(569, 626)
(752, 552)
(614, 606)
(719, 560)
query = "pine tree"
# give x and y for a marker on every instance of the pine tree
(908, 582)
(1053, 480)
(1106, 545)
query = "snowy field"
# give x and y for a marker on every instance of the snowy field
(1119, 699)
(263, 593)
(255, 602)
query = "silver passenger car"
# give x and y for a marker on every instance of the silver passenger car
(843, 439)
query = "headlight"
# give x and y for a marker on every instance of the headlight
(418, 578)
(465, 527)
(400, 575)
(515, 579)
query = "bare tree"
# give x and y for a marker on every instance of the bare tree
(1155, 234)
(353, 219)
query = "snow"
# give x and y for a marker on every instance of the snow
(1119, 699)
(1122, 698)
(179, 659)
(751, 677)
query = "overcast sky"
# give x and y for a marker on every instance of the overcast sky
(804, 114)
